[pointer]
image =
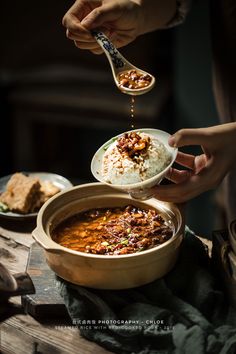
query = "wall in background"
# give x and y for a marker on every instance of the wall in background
(52, 101)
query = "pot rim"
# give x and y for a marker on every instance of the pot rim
(40, 235)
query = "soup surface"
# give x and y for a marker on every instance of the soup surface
(112, 231)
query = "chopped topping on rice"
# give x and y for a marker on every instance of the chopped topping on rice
(133, 144)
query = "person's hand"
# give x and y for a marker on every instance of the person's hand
(121, 20)
(204, 172)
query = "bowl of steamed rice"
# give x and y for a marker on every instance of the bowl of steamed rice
(134, 161)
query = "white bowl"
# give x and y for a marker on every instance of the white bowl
(141, 190)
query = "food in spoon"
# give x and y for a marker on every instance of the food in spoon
(134, 79)
(113, 231)
(134, 157)
(26, 194)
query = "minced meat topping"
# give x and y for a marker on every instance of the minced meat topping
(133, 145)
(113, 231)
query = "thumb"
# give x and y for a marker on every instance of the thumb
(186, 137)
(100, 15)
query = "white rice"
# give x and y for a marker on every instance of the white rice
(120, 169)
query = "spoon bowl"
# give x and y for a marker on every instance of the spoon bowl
(120, 65)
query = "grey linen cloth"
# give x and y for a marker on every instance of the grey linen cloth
(184, 312)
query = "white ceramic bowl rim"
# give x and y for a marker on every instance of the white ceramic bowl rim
(104, 147)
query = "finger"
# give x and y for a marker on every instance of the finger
(173, 193)
(190, 188)
(200, 162)
(185, 160)
(74, 26)
(79, 37)
(97, 51)
(79, 10)
(121, 38)
(194, 163)
(101, 15)
(186, 137)
(178, 176)
(176, 193)
(89, 46)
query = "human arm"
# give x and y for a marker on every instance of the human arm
(121, 20)
(205, 171)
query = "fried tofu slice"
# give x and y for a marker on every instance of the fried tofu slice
(48, 190)
(21, 193)
(26, 194)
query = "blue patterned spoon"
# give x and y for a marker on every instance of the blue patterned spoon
(128, 78)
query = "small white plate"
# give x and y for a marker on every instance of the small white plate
(141, 190)
(61, 182)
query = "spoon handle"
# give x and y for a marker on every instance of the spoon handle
(115, 58)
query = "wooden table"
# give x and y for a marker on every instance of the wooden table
(22, 334)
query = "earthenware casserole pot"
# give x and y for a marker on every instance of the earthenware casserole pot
(105, 271)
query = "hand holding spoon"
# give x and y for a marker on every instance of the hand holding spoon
(128, 78)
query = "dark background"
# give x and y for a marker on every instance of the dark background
(58, 104)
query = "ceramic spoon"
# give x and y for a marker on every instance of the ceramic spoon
(19, 284)
(119, 64)
(7, 281)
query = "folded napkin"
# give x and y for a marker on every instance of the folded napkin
(184, 312)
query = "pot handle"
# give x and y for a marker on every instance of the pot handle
(45, 242)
